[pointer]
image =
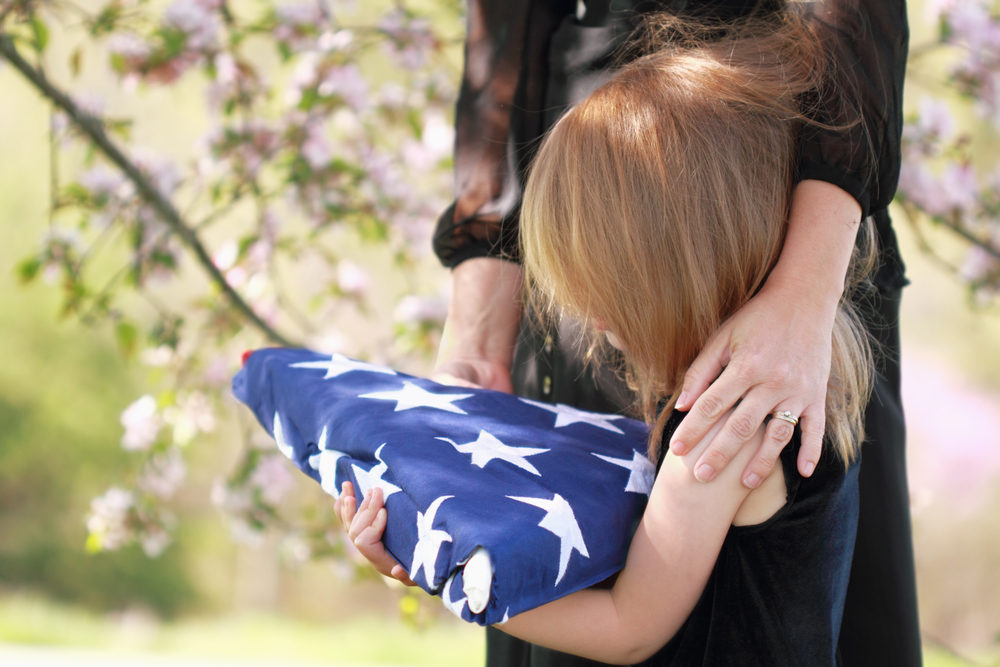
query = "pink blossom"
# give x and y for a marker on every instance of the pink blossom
(297, 24)
(345, 82)
(958, 181)
(410, 38)
(217, 372)
(142, 424)
(163, 173)
(335, 41)
(352, 279)
(190, 415)
(934, 124)
(130, 47)
(315, 148)
(109, 516)
(979, 264)
(413, 309)
(198, 22)
(438, 135)
(225, 256)
(104, 183)
(953, 461)
(154, 540)
(162, 475)
(972, 24)
(273, 478)
(919, 185)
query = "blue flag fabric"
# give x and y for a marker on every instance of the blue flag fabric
(551, 493)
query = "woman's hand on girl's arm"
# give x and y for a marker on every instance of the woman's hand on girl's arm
(774, 353)
(365, 525)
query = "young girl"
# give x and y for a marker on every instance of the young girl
(655, 209)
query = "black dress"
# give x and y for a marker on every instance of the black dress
(526, 62)
(775, 596)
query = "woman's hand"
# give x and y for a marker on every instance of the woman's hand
(484, 314)
(774, 353)
(365, 525)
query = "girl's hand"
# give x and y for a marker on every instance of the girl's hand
(365, 525)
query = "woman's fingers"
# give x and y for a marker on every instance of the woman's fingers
(708, 409)
(739, 427)
(777, 435)
(813, 426)
(706, 367)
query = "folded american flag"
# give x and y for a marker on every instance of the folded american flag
(545, 495)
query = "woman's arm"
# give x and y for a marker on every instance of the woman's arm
(775, 352)
(484, 314)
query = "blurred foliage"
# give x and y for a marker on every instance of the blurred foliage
(59, 392)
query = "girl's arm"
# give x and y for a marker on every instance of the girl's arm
(669, 561)
(670, 558)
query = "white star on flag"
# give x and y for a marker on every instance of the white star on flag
(429, 541)
(279, 438)
(487, 447)
(369, 479)
(642, 472)
(566, 415)
(412, 396)
(325, 463)
(561, 522)
(338, 364)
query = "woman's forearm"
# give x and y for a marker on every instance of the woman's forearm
(822, 228)
(484, 315)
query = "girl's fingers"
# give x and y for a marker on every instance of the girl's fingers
(371, 533)
(346, 504)
(398, 572)
(367, 512)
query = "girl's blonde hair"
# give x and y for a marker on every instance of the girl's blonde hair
(659, 205)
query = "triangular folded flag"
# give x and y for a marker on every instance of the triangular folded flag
(496, 503)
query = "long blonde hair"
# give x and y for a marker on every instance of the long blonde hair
(659, 205)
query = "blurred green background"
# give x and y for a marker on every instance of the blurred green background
(63, 386)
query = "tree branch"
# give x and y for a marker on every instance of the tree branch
(94, 130)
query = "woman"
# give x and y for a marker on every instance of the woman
(525, 63)
(655, 210)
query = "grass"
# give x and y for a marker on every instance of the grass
(28, 623)
(239, 637)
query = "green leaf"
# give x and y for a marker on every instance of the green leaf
(127, 336)
(41, 33)
(28, 269)
(76, 61)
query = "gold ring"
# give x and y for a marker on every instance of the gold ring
(786, 416)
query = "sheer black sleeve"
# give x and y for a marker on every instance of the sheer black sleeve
(500, 103)
(868, 42)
